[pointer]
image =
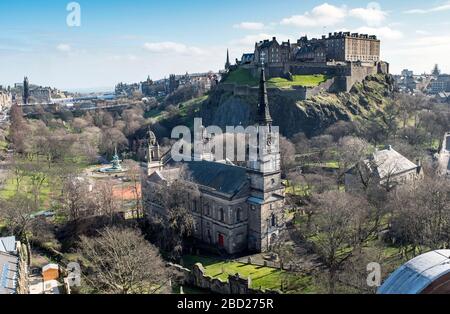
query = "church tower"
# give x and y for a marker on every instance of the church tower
(227, 63)
(153, 154)
(266, 201)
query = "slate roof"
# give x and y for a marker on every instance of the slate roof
(266, 43)
(8, 273)
(8, 245)
(224, 178)
(389, 162)
(417, 274)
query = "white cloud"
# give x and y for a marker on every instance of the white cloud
(439, 8)
(372, 14)
(322, 15)
(250, 40)
(173, 47)
(385, 32)
(430, 41)
(64, 48)
(250, 25)
(421, 32)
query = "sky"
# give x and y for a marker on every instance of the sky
(126, 41)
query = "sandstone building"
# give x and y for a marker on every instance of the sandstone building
(344, 57)
(238, 208)
(386, 167)
(5, 99)
(337, 47)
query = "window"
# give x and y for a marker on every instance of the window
(207, 211)
(238, 215)
(221, 214)
(273, 220)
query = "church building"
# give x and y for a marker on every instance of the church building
(238, 208)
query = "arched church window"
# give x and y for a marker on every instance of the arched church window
(273, 220)
(221, 214)
(238, 215)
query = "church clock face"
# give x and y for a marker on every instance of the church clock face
(269, 140)
(269, 143)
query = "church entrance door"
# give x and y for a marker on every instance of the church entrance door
(221, 240)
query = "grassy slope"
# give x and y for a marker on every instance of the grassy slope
(244, 77)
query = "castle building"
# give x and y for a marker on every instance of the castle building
(337, 47)
(237, 208)
(270, 52)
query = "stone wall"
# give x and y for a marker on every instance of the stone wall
(234, 285)
(346, 74)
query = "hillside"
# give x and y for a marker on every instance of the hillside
(243, 77)
(309, 116)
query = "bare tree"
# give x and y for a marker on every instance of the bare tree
(177, 223)
(121, 261)
(341, 225)
(134, 174)
(75, 198)
(105, 201)
(420, 216)
(351, 151)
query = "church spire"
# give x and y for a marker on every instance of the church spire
(228, 64)
(263, 105)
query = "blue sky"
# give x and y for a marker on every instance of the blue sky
(122, 40)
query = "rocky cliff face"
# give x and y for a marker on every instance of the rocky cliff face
(310, 116)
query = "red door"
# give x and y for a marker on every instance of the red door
(221, 240)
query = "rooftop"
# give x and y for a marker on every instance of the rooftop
(8, 273)
(417, 274)
(8, 245)
(389, 162)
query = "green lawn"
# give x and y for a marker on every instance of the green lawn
(297, 80)
(243, 77)
(262, 277)
(9, 189)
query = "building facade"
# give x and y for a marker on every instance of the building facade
(386, 168)
(440, 84)
(237, 208)
(337, 47)
(5, 99)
